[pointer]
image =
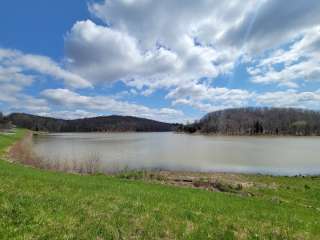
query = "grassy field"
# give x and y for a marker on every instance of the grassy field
(36, 204)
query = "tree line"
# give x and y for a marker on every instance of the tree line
(258, 121)
(97, 124)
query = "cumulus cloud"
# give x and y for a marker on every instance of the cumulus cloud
(105, 55)
(19, 102)
(100, 53)
(232, 27)
(166, 21)
(206, 98)
(15, 65)
(19, 71)
(170, 45)
(12, 82)
(153, 44)
(212, 99)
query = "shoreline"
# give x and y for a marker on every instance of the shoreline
(245, 135)
(187, 133)
(24, 144)
(228, 182)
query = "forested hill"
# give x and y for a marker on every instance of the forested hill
(258, 121)
(97, 124)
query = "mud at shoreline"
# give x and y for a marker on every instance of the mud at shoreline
(234, 183)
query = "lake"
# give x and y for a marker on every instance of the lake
(182, 152)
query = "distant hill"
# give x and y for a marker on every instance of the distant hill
(258, 121)
(97, 124)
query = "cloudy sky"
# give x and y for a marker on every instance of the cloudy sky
(170, 60)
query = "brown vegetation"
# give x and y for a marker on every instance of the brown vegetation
(22, 152)
(216, 182)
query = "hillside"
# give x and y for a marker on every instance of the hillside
(97, 124)
(258, 121)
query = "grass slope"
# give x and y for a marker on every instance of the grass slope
(37, 204)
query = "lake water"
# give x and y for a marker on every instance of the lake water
(182, 152)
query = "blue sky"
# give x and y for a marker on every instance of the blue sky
(157, 59)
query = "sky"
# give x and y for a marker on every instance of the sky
(168, 60)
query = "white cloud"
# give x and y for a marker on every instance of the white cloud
(290, 98)
(68, 115)
(105, 55)
(17, 102)
(165, 44)
(100, 53)
(19, 70)
(153, 44)
(301, 62)
(167, 21)
(14, 66)
(229, 27)
(12, 83)
(271, 23)
(206, 98)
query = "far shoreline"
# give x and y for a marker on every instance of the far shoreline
(178, 132)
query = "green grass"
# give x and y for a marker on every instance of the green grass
(36, 204)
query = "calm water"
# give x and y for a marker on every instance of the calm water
(171, 151)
